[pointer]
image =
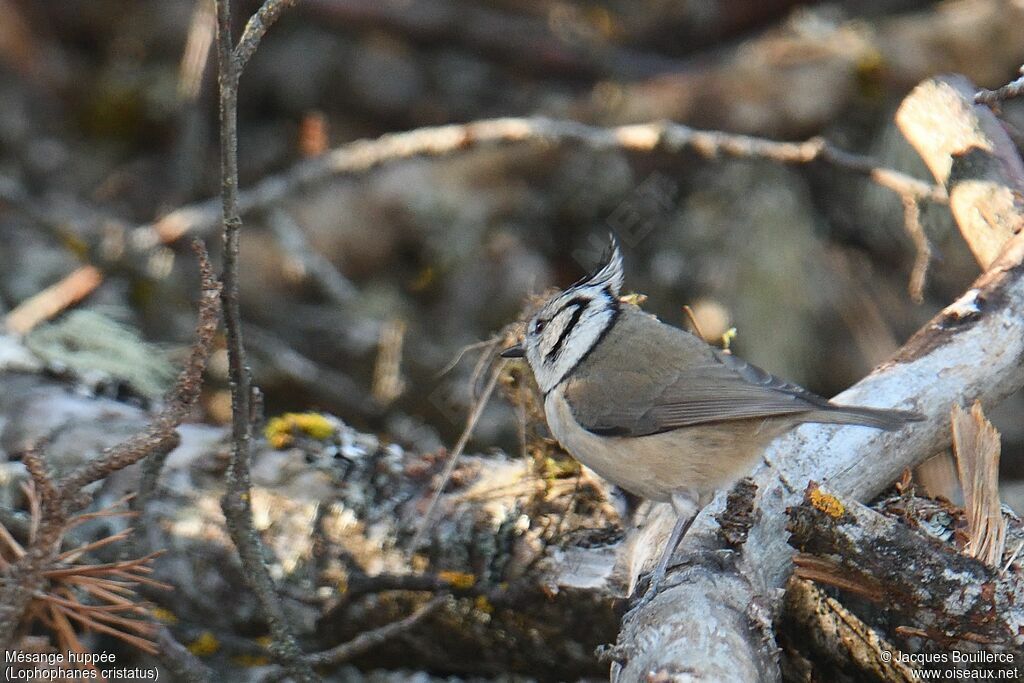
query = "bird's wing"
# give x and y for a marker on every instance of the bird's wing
(671, 380)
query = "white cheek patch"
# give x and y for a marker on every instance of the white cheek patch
(580, 317)
(582, 338)
(569, 321)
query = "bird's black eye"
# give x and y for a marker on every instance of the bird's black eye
(538, 326)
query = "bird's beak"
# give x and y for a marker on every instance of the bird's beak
(516, 351)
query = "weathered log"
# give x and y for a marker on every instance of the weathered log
(830, 643)
(923, 582)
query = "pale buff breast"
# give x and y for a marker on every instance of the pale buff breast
(703, 459)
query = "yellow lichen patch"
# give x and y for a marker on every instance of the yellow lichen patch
(561, 468)
(281, 430)
(827, 503)
(164, 615)
(482, 604)
(461, 580)
(205, 645)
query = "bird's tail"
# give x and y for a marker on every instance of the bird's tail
(879, 418)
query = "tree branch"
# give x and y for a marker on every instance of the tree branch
(368, 639)
(256, 28)
(160, 437)
(178, 660)
(236, 503)
(314, 265)
(1014, 88)
(23, 578)
(362, 156)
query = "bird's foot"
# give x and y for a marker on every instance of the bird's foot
(653, 588)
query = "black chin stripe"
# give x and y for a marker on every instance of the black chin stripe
(580, 303)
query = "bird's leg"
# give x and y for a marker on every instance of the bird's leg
(679, 530)
(686, 507)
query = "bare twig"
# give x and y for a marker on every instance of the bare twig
(326, 383)
(313, 265)
(460, 445)
(365, 641)
(68, 225)
(236, 502)
(1013, 557)
(192, 127)
(364, 155)
(693, 322)
(160, 436)
(922, 246)
(54, 299)
(1012, 89)
(171, 653)
(525, 39)
(179, 661)
(48, 495)
(256, 28)
(51, 504)
(461, 353)
(368, 639)
(197, 51)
